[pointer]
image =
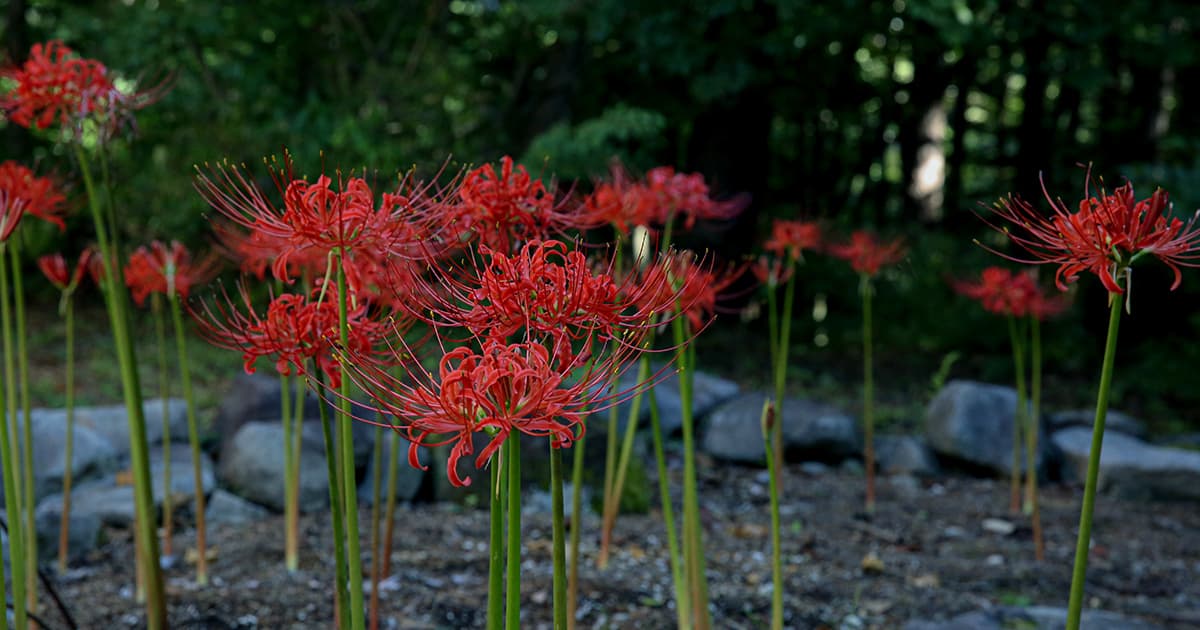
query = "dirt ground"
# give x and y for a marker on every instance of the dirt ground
(928, 555)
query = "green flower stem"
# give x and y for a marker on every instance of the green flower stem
(495, 606)
(376, 494)
(164, 393)
(610, 473)
(350, 490)
(1075, 607)
(693, 542)
(290, 560)
(1019, 418)
(682, 600)
(613, 507)
(64, 527)
(390, 514)
(576, 525)
(784, 342)
(774, 460)
(1035, 423)
(185, 376)
(31, 552)
(294, 471)
(116, 300)
(340, 594)
(558, 539)
(867, 292)
(512, 594)
(12, 482)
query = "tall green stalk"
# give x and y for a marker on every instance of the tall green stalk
(512, 592)
(1019, 418)
(376, 490)
(558, 539)
(774, 461)
(12, 481)
(350, 490)
(116, 300)
(64, 527)
(31, 553)
(164, 394)
(495, 606)
(291, 561)
(867, 292)
(576, 525)
(340, 594)
(185, 376)
(683, 609)
(1035, 423)
(1078, 575)
(613, 506)
(389, 519)
(693, 540)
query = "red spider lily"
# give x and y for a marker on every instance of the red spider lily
(316, 218)
(691, 285)
(674, 194)
(791, 238)
(771, 271)
(547, 292)
(159, 269)
(867, 254)
(620, 203)
(23, 192)
(55, 86)
(1044, 306)
(507, 209)
(294, 330)
(1105, 236)
(54, 266)
(500, 389)
(1001, 291)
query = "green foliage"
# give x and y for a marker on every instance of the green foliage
(585, 150)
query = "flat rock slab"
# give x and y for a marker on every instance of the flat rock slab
(229, 509)
(1131, 467)
(1118, 421)
(811, 431)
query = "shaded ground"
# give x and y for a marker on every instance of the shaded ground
(937, 561)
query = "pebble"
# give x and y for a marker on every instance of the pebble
(995, 560)
(998, 526)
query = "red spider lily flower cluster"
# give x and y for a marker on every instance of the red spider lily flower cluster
(22, 192)
(506, 209)
(693, 287)
(295, 330)
(1001, 291)
(791, 238)
(867, 254)
(318, 218)
(1104, 236)
(663, 195)
(54, 267)
(165, 269)
(56, 86)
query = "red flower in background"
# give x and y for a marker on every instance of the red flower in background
(690, 285)
(1001, 291)
(867, 254)
(54, 266)
(55, 86)
(791, 238)
(1104, 236)
(294, 330)
(672, 194)
(166, 270)
(22, 192)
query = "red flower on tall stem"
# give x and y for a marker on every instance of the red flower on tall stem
(692, 286)
(54, 266)
(686, 195)
(867, 254)
(1105, 236)
(791, 238)
(165, 269)
(22, 192)
(1001, 291)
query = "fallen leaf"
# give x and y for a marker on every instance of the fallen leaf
(192, 555)
(125, 478)
(872, 563)
(749, 530)
(926, 580)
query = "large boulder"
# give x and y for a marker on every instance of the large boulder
(1131, 467)
(226, 508)
(252, 466)
(1114, 420)
(112, 423)
(408, 479)
(85, 530)
(183, 485)
(811, 431)
(92, 456)
(905, 455)
(104, 500)
(972, 423)
(708, 392)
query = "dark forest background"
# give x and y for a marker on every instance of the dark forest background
(905, 116)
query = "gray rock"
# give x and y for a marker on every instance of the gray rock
(905, 455)
(1033, 617)
(92, 456)
(811, 431)
(104, 499)
(227, 508)
(1118, 421)
(252, 466)
(112, 423)
(183, 485)
(973, 423)
(85, 532)
(708, 392)
(408, 479)
(1132, 468)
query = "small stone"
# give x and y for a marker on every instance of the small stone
(998, 526)
(995, 560)
(872, 563)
